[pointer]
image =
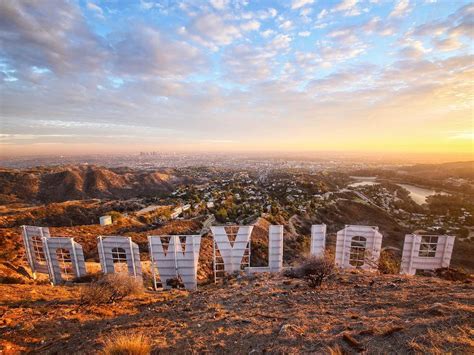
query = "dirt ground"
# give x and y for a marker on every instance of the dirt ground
(266, 313)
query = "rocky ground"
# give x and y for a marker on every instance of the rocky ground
(353, 312)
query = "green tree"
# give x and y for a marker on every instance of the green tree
(221, 214)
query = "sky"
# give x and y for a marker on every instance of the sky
(236, 75)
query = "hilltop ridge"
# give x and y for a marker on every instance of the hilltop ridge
(57, 184)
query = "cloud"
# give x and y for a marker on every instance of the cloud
(330, 54)
(323, 14)
(401, 8)
(343, 36)
(211, 31)
(250, 26)
(146, 51)
(296, 4)
(152, 82)
(445, 34)
(266, 14)
(377, 26)
(306, 12)
(146, 5)
(63, 43)
(360, 77)
(349, 7)
(346, 5)
(413, 48)
(281, 41)
(245, 64)
(267, 33)
(96, 9)
(286, 25)
(219, 4)
(447, 44)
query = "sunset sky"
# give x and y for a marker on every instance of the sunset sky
(239, 75)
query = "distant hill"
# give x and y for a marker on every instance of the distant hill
(439, 171)
(81, 182)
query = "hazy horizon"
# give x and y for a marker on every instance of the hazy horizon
(390, 158)
(349, 76)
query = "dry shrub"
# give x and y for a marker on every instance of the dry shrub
(389, 263)
(452, 274)
(314, 270)
(10, 280)
(135, 344)
(174, 282)
(111, 288)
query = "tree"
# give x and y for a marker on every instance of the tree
(221, 214)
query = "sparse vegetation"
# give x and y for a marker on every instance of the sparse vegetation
(110, 288)
(135, 344)
(8, 280)
(452, 274)
(116, 216)
(388, 263)
(315, 270)
(377, 313)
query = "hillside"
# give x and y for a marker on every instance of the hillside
(43, 185)
(439, 171)
(352, 313)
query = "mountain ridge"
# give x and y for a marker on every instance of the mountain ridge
(58, 184)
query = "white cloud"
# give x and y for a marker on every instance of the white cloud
(267, 33)
(211, 31)
(69, 73)
(266, 14)
(147, 5)
(219, 4)
(401, 8)
(296, 4)
(96, 9)
(244, 63)
(159, 55)
(322, 14)
(349, 7)
(31, 37)
(413, 48)
(346, 5)
(250, 26)
(286, 25)
(305, 12)
(331, 54)
(344, 36)
(281, 41)
(320, 25)
(376, 25)
(447, 44)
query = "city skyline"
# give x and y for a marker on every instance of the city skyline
(349, 75)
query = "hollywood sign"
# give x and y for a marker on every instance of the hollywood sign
(177, 256)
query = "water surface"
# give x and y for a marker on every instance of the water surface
(420, 194)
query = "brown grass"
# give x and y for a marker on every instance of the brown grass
(135, 344)
(336, 350)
